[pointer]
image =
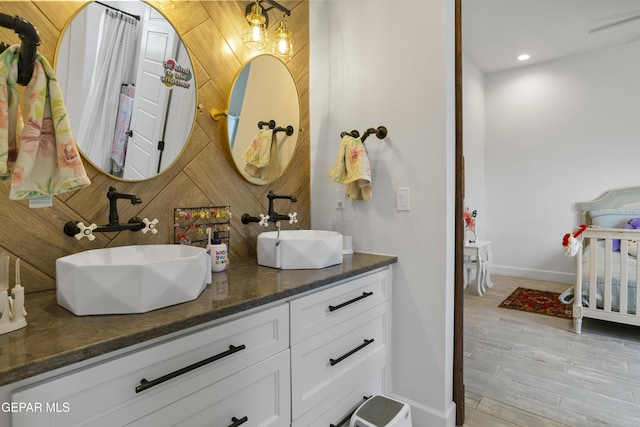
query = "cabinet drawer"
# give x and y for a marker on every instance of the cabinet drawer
(258, 394)
(93, 391)
(322, 310)
(341, 406)
(327, 363)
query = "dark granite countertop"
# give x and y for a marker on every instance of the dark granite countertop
(55, 337)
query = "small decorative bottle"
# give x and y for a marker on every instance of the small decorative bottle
(218, 251)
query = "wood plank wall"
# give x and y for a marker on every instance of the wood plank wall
(203, 175)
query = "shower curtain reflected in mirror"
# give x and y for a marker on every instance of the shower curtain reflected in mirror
(114, 57)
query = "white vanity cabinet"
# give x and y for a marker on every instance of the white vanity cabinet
(340, 346)
(216, 373)
(306, 360)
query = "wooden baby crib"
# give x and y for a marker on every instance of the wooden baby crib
(605, 279)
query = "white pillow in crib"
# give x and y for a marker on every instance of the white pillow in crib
(612, 218)
(633, 248)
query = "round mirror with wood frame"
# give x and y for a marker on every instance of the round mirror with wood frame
(263, 109)
(129, 88)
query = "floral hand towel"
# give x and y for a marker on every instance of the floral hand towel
(262, 155)
(47, 161)
(352, 168)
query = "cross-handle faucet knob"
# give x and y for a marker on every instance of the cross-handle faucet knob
(85, 231)
(293, 217)
(150, 226)
(264, 220)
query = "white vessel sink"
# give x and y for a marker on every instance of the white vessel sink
(131, 279)
(300, 249)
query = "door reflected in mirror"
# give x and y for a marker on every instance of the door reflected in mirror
(128, 86)
(263, 119)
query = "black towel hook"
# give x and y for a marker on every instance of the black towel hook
(270, 123)
(288, 130)
(380, 132)
(30, 40)
(354, 133)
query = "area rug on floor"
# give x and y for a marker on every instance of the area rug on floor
(535, 301)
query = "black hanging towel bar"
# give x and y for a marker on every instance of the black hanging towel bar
(272, 125)
(380, 132)
(137, 17)
(30, 40)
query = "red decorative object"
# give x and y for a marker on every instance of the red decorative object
(565, 238)
(468, 220)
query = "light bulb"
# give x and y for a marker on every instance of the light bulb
(282, 46)
(254, 35)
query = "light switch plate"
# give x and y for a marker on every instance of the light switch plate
(403, 199)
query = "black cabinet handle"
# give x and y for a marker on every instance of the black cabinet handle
(344, 356)
(348, 417)
(237, 422)
(344, 304)
(145, 384)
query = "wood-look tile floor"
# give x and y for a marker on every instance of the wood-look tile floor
(525, 369)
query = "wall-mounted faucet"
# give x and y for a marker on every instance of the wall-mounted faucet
(78, 230)
(113, 197)
(272, 215)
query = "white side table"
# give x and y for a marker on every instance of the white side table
(477, 256)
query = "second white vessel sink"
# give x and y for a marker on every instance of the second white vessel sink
(299, 249)
(131, 279)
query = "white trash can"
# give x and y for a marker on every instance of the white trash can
(381, 411)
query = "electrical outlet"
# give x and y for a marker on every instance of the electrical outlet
(340, 198)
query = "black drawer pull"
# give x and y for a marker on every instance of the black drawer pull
(145, 384)
(237, 422)
(348, 417)
(344, 304)
(344, 356)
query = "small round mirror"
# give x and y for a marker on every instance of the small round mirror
(263, 116)
(128, 86)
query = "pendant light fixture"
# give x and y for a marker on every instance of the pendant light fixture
(254, 35)
(282, 45)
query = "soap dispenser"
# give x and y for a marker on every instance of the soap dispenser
(218, 251)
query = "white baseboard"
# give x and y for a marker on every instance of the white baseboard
(528, 273)
(424, 416)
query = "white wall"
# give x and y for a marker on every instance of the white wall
(473, 137)
(363, 76)
(557, 133)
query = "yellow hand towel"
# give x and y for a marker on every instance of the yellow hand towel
(352, 168)
(262, 156)
(259, 150)
(48, 161)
